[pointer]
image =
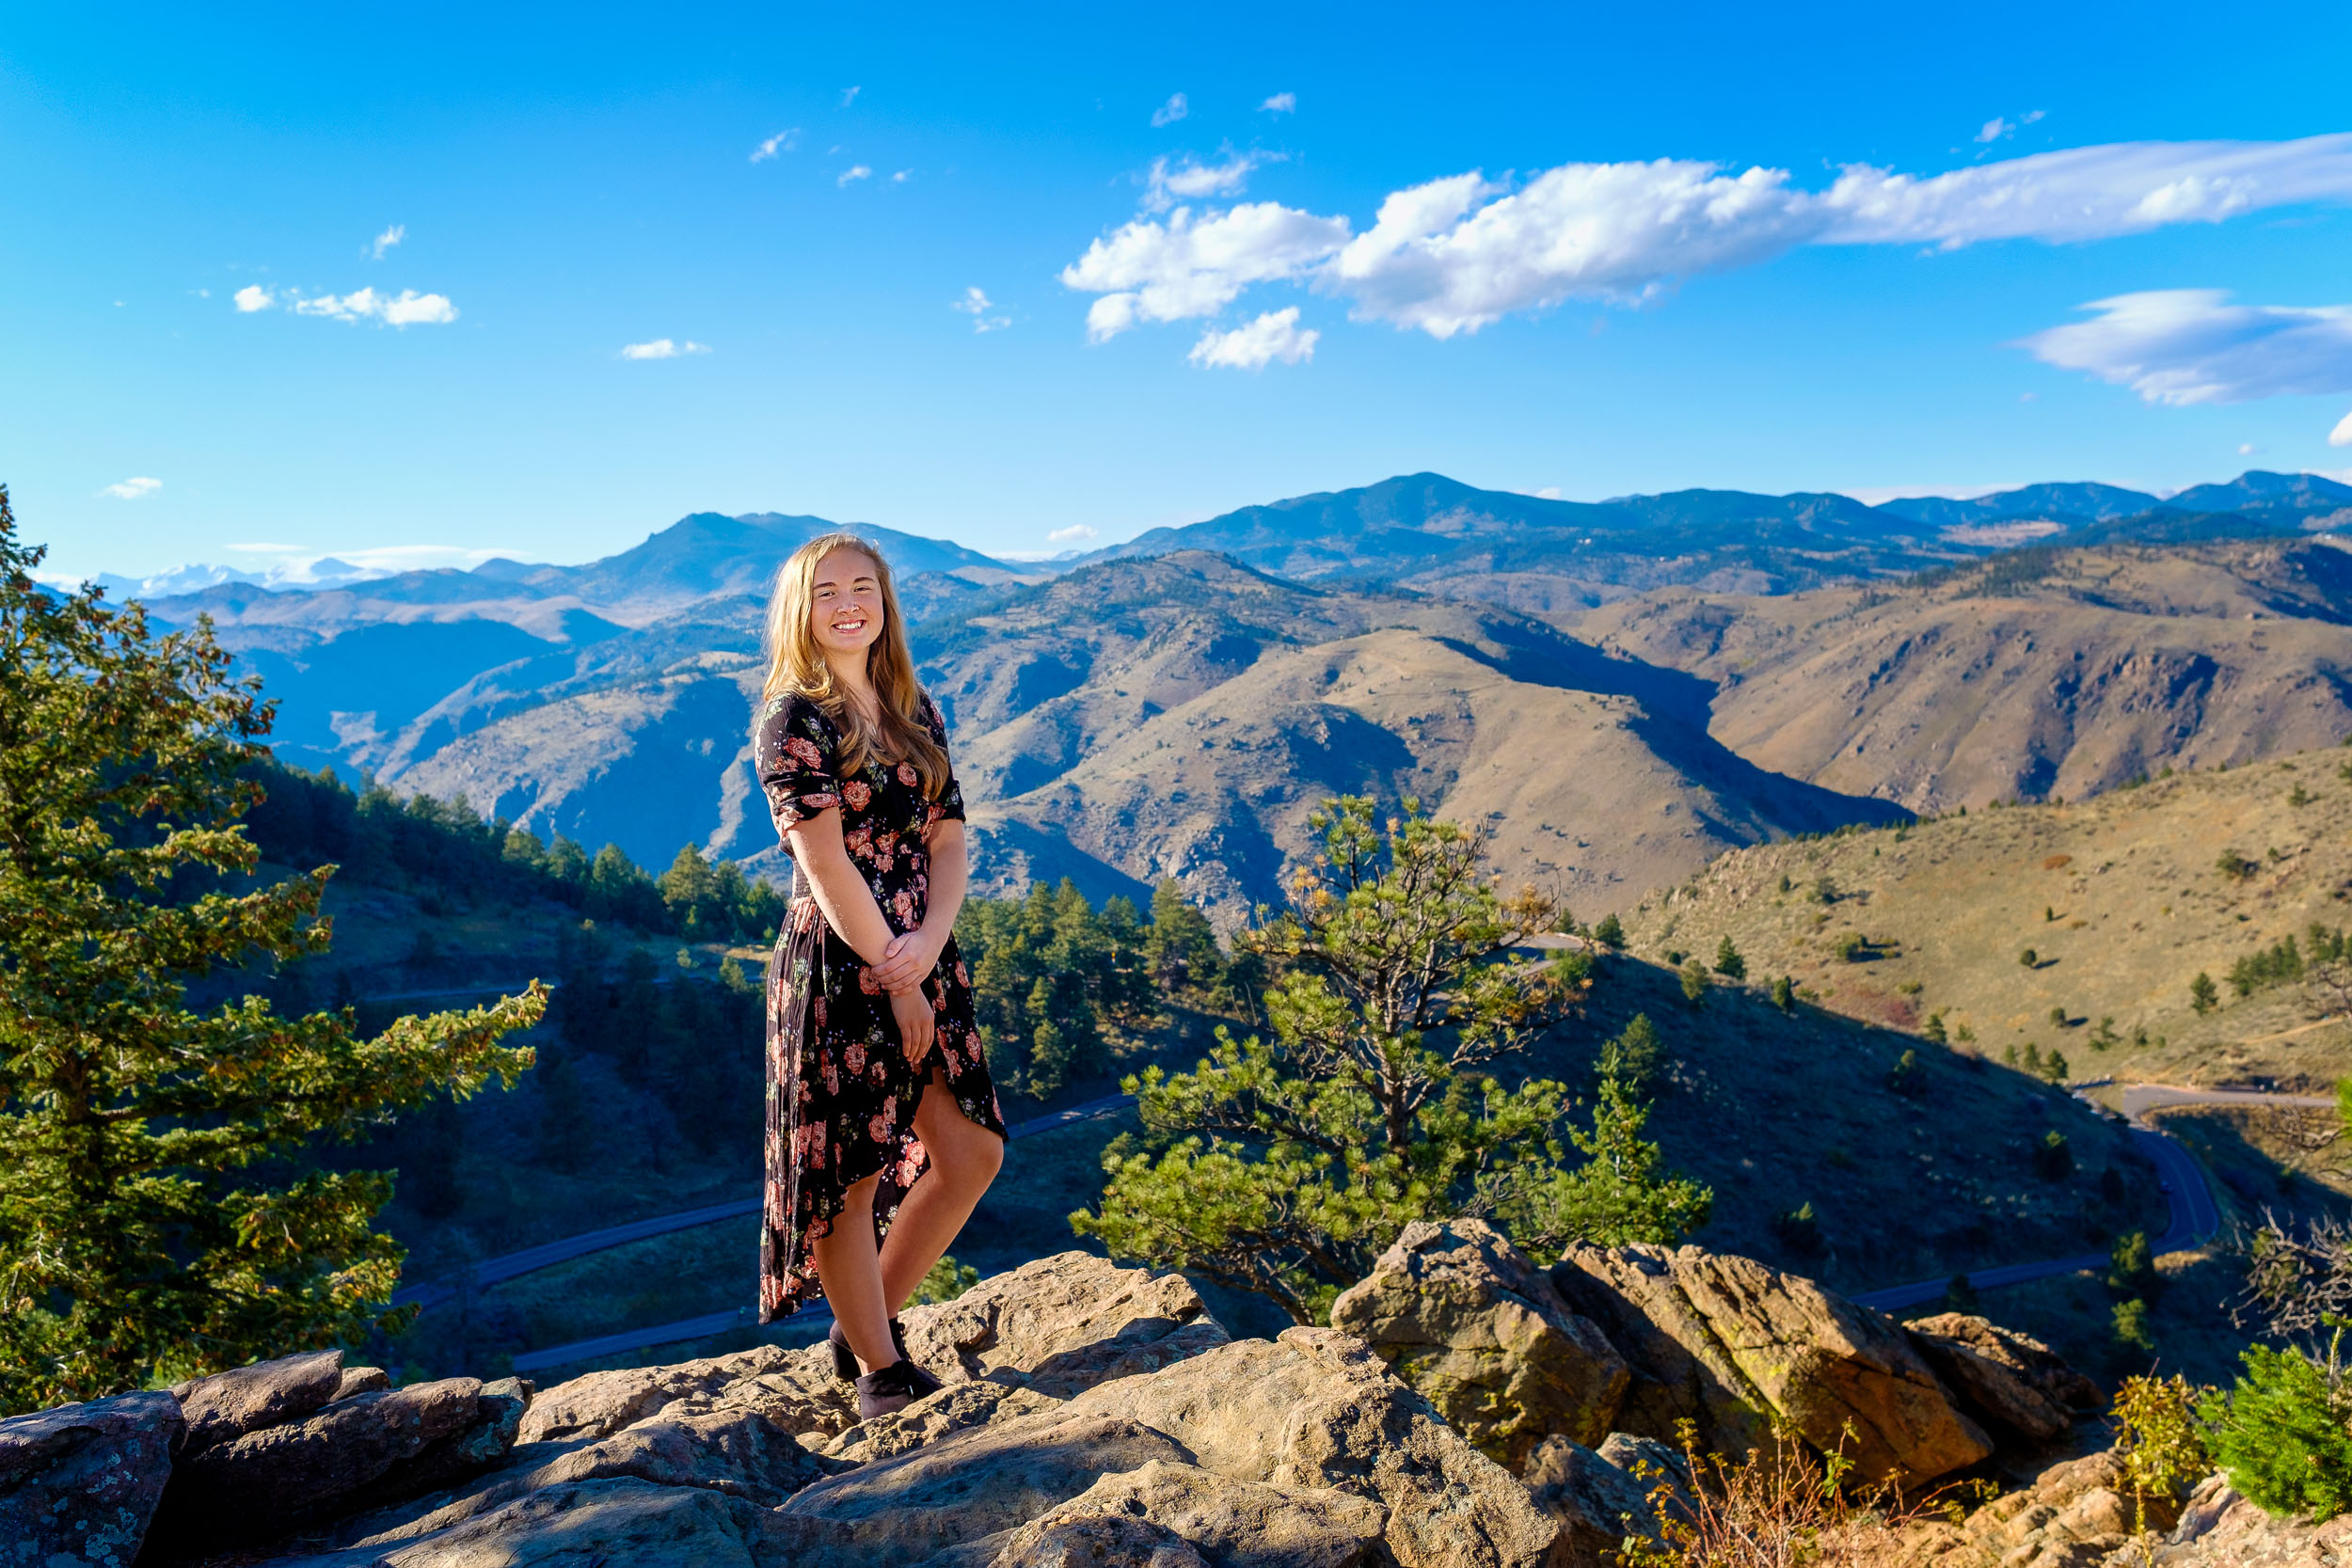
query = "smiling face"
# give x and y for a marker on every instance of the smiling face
(845, 612)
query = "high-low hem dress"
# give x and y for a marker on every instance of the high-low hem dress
(841, 1098)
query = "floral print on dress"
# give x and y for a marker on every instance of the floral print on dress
(841, 1098)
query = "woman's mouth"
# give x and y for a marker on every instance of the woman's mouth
(851, 627)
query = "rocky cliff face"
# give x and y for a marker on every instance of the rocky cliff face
(1469, 1408)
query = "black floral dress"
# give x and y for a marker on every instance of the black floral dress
(841, 1098)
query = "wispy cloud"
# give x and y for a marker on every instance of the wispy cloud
(662, 348)
(1171, 111)
(1192, 180)
(855, 171)
(2183, 346)
(1271, 336)
(978, 306)
(391, 236)
(133, 489)
(1999, 129)
(1281, 104)
(849, 96)
(405, 309)
(1069, 535)
(1456, 254)
(253, 297)
(902, 176)
(782, 141)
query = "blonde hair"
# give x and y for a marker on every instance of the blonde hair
(797, 668)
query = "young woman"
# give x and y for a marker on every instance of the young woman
(882, 1126)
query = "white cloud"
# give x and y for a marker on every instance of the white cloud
(1995, 129)
(1455, 254)
(252, 297)
(2182, 346)
(902, 176)
(1192, 180)
(1550, 493)
(782, 141)
(2342, 434)
(2246, 449)
(1171, 111)
(849, 96)
(405, 309)
(662, 348)
(855, 171)
(1066, 535)
(1151, 270)
(1281, 104)
(391, 236)
(977, 304)
(133, 489)
(1271, 336)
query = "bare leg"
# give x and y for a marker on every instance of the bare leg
(851, 1274)
(964, 1160)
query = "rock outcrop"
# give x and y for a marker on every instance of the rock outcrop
(1466, 1319)
(1471, 1411)
(1737, 1348)
(2014, 1385)
(79, 1483)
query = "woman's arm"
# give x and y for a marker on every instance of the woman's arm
(913, 955)
(847, 903)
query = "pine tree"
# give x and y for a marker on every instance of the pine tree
(1728, 962)
(159, 1213)
(1695, 982)
(1610, 933)
(1285, 1166)
(2203, 995)
(1785, 994)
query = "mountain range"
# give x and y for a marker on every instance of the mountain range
(1619, 690)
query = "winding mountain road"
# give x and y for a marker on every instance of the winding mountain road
(2194, 1219)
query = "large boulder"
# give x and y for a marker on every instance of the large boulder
(1062, 1323)
(2016, 1385)
(1089, 1541)
(246, 1399)
(371, 1448)
(1739, 1348)
(1316, 1409)
(1473, 1325)
(79, 1483)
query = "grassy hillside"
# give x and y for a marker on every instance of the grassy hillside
(2042, 674)
(2122, 900)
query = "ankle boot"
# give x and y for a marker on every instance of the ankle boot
(845, 1359)
(892, 1388)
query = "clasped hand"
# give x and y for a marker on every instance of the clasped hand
(907, 963)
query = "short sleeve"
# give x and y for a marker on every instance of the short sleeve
(795, 752)
(949, 806)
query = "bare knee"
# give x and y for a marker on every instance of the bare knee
(969, 1157)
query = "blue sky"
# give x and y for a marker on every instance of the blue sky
(1581, 287)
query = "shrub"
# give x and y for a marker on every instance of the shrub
(1784, 994)
(1799, 1231)
(2162, 1446)
(1933, 1030)
(2054, 1157)
(2029, 957)
(2285, 1433)
(1853, 947)
(1610, 933)
(1695, 981)
(1907, 1077)
(2132, 1335)
(2235, 866)
(2056, 1069)
(2131, 1264)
